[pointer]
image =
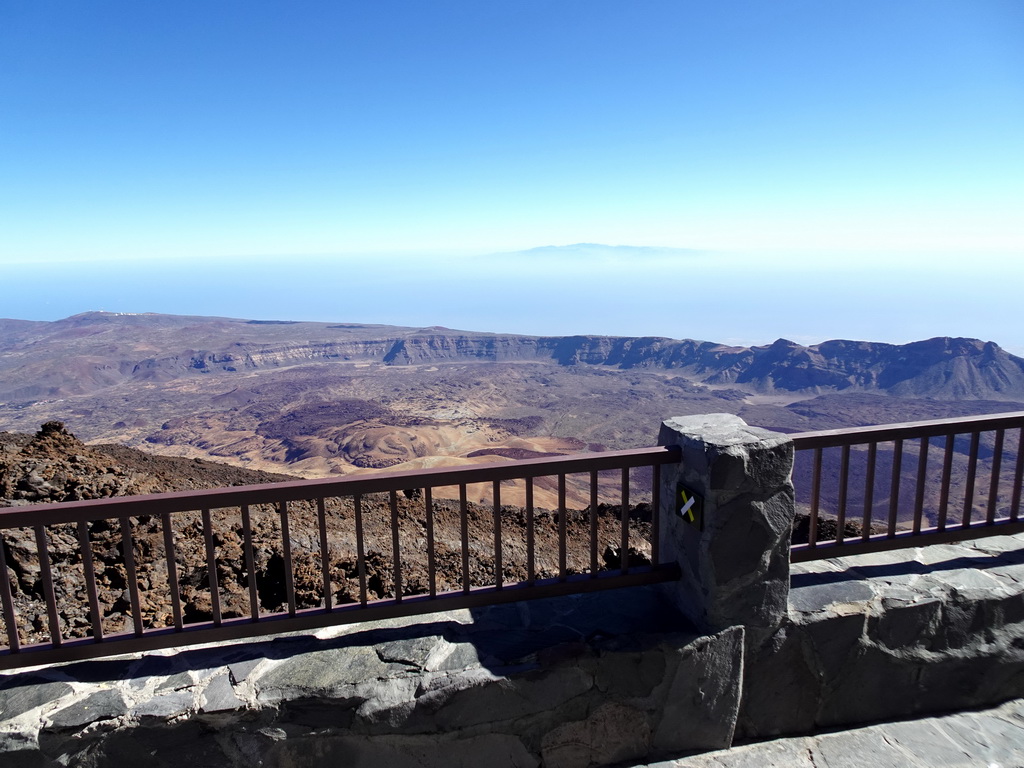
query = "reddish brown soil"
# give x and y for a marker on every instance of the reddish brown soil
(55, 466)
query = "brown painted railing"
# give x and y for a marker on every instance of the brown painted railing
(876, 488)
(83, 519)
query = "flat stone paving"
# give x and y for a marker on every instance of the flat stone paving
(984, 568)
(992, 738)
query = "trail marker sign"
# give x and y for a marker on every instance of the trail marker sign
(690, 506)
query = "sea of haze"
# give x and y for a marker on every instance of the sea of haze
(728, 297)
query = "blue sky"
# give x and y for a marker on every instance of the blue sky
(830, 151)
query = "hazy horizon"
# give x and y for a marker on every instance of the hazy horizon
(730, 298)
(789, 169)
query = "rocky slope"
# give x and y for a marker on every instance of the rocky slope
(54, 466)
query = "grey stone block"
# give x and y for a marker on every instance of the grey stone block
(322, 672)
(451, 656)
(159, 746)
(819, 596)
(781, 690)
(505, 699)
(103, 705)
(29, 693)
(240, 670)
(906, 624)
(874, 685)
(176, 682)
(835, 641)
(611, 733)
(628, 674)
(387, 704)
(219, 696)
(165, 706)
(702, 701)
(412, 652)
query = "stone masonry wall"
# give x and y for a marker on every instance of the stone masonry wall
(889, 636)
(568, 682)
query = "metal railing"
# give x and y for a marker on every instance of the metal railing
(216, 523)
(862, 492)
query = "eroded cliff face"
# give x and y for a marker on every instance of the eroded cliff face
(100, 350)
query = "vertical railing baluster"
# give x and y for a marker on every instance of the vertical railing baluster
(922, 479)
(499, 570)
(90, 581)
(211, 567)
(624, 543)
(593, 524)
(997, 467)
(844, 481)
(250, 564)
(13, 642)
(894, 488)
(428, 504)
(396, 553)
(357, 506)
(869, 491)
(561, 528)
(1018, 477)
(53, 618)
(947, 472)
(655, 514)
(172, 569)
(531, 571)
(812, 528)
(128, 550)
(464, 531)
(972, 473)
(286, 551)
(325, 552)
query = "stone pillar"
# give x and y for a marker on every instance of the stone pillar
(735, 561)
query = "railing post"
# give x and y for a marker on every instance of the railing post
(735, 558)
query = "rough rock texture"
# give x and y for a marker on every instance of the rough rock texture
(892, 635)
(54, 466)
(569, 682)
(735, 562)
(993, 737)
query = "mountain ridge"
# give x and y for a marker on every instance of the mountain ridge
(104, 349)
(317, 399)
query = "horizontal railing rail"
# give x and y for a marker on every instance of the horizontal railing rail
(209, 523)
(969, 494)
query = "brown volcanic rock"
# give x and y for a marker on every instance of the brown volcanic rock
(113, 470)
(324, 399)
(55, 466)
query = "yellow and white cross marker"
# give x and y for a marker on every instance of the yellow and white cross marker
(688, 499)
(690, 506)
